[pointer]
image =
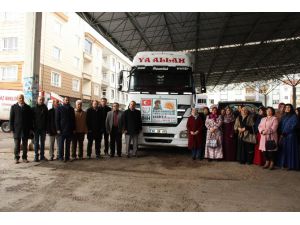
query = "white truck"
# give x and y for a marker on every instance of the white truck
(162, 85)
(7, 99)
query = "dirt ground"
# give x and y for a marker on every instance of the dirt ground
(158, 180)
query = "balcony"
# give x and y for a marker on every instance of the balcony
(105, 80)
(87, 76)
(105, 66)
(87, 57)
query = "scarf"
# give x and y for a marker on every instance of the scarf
(229, 118)
(213, 116)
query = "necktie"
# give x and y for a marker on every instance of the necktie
(115, 119)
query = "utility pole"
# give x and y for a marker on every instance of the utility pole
(32, 57)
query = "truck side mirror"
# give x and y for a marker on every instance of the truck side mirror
(120, 81)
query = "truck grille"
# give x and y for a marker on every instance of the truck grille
(158, 135)
(158, 140)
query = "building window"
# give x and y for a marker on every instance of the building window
(77, 40)
(286, 97)
(96, 90)
(276, 92)
(97, 70)
(55, 79)
(105, 76)
(112, 95)
(56, 53)
(275, 102)
(113, 63)
(76, 62)
(8, 73)
(9, 44)
(212, 101)
(88, 46)
(8, 16)
(104, 92)
(119, 66)
(113, 77)
(57, 28)
(75, 84)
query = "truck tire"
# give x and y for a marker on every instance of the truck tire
(5, 127)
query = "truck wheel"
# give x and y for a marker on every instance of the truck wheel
(5, 127)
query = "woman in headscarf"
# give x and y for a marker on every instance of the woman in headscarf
(229, 148)
(268, 130)
(258, 155)
(194, 127)
(213, 149)
(204, 115)
(243, 125)
(289, 157)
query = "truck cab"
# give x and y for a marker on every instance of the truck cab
(161, 83)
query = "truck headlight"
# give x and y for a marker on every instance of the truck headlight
(183, 134)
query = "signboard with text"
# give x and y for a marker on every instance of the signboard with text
(156, 110)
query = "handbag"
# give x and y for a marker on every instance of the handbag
(250, 138)
(212, 142)
(271, 144)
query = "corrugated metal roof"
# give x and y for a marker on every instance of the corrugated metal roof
(231, 47)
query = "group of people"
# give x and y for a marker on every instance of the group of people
(68, 127)
(268, 138)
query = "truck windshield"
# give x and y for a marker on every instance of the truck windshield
(169, 80)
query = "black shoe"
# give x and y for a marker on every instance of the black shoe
(97, 157)
(52, 158)
(44, 159)
(80, 158)
(194, 158)
(17, 161)
(111, 156)
(128, 156)
(119, 155)
(25, 161)
(36, 160)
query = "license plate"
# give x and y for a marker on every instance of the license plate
(158, 131)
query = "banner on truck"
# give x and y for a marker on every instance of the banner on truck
(156, 110)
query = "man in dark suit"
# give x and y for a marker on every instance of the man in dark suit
(114, 127)
(20, 121)
(93, 122)
(40, 118)
(133, 126)
(104, 109)
(65, 125)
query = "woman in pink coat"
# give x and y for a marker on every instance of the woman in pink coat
(268, 130)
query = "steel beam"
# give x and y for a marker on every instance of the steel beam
(139, 29)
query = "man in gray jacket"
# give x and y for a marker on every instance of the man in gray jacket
(114, 127)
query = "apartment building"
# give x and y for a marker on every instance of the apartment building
(281, 93)
(75, 60)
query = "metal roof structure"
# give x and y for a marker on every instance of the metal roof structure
(228, 47)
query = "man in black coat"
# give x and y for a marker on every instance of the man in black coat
(51, 130)
(40, 118)
(20, 122)
(104, 109)
(133, 126)
(65, 125)
(93, 122)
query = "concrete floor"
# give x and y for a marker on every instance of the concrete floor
(158, 180)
